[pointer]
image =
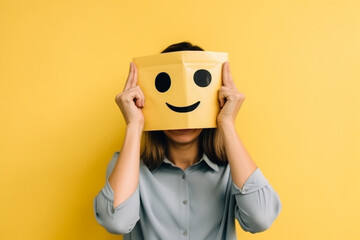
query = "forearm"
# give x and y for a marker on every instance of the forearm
(125, 175)
(257, 204)
(241, 164)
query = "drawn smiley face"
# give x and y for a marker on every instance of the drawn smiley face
(180, 89)
(202, 78)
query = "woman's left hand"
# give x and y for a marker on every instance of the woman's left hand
(229, 97)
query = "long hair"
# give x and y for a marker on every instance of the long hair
(154, 144)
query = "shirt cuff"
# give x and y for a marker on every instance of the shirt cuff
(109, 195)
(255, 182)
(108, 192)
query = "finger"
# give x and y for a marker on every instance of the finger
(135, 75)
(229, 94)
(138, 102)
(222, 97)
(222, 101)
(139, 98)
(142, 96)
(128, 96)
(226, 75)
(130, 77)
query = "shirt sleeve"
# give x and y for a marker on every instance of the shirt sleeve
(257, 204)
(124, 217)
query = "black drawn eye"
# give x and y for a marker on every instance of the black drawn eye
(202, 78)
(162, 82)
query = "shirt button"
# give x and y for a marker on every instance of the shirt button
(183, 176)
(184, 202)
(184, 232)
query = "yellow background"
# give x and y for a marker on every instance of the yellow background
(63, 62)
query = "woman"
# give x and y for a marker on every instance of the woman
(187, 184)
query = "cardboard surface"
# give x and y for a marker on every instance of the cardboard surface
(180, 89)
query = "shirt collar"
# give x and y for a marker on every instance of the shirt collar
(211, 164)
(204, 158)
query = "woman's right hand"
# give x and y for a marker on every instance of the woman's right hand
(131, 100)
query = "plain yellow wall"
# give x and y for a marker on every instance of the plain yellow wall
(63, 62)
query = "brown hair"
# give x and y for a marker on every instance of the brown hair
(154, 145)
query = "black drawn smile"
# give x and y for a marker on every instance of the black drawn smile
(184, 109)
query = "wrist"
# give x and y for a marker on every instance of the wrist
(226, 124)
(135, 128)
(227, 129)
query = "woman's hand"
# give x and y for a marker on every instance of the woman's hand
(131, 100)
(229, 97)
(241, 164)
(124, 177)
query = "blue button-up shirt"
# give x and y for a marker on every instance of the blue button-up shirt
(200, 202)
